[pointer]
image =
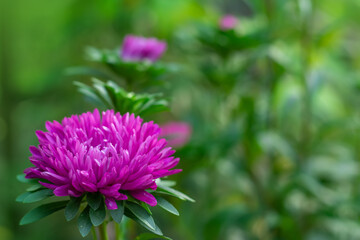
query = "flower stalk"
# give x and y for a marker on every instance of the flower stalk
(102, 231)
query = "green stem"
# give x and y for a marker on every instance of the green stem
(103, 232)
(93, 233)
(118, 232)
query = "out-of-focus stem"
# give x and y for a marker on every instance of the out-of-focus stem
(118, 233)
(93, 233)
(103, 232)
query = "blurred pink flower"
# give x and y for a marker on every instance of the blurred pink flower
(116, 155)
(135, 48)
(176, 133)
(228, 22)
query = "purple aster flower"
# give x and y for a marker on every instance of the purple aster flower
(176, 133)
(228, 22)
(136, 48)
(107, 153)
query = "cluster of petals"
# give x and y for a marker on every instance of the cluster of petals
(228, 22)
(177, 134)
(108, 153)
(135, 48)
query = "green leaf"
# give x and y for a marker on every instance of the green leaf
(149, 236)
(155, 230)
(34, 187)
(167, 183)
(42, 211)
(101, 91)
(94, 200)
(38, 195)
(84, 222)
(117, 214)
(21, 178)
(175, 193)
(72, 207)
(146, 207)
(22, 196)
(97, 216)
(141, 214)
(166, 205)
(115, 97)
(87, 91)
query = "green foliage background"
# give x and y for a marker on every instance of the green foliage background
(275, 149)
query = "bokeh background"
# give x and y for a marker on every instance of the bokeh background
(274, 107)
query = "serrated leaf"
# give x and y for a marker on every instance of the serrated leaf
(84, 222)
(97, 216)
(42, 211)
(166, 205)
(22, 196)
(175, 193)
(38, 195)
(141, 214)
(149, 236)
(155, 230)
(94, 200)
(117, 214)
(72, 208)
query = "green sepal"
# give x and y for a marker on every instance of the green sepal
(84, 222)
(117, 214)
(141, 214)
(114, 97)
(22, 196)
(146, 207)
(72, 207)
(154, 229)
(163, 203)
(167, 183)
(94, 200)
(42, 211)
(173, 192)
(21, 178)
(38, 195)
(141, 71)
(35, 187)
(97, 216)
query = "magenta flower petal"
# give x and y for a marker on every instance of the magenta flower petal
(107, 153)
(48, 185)
(111, 203)
(136, 48)
(176, 133)
(144, 196)
(61, 191)
(228, 22)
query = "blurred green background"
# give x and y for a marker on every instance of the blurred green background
(274, 107)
